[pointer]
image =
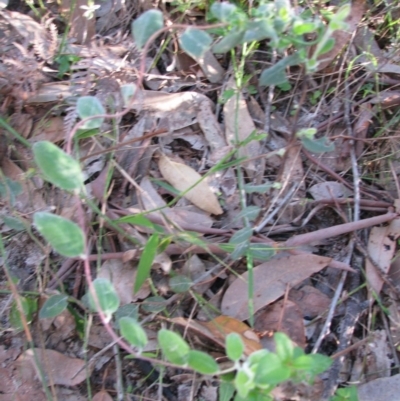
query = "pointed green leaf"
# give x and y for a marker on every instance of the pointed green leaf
(195, 42)
(146, 261)
(132, 331)
(64, 236)
(57, 167)
(320, 145)
(144, 26)
(271, 371)
(223, 11)
(228, 42)
(174, 347)
(53, 306)
(284, 346)
(180, 283)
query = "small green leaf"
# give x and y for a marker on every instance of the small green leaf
(174, 347)
(260, 189)
(132, 331)
(29, 307)
(242, 235)
(270, 371)
(13, 223)
(144, 26)
(195, 42)
(313, 363)
(57, 167)
(276, 74)
(128, 310)
(146, 261)
(90, 106)
(262, 252)
(259, 30)
(202, 362)
(64, 236)
(328, 46)
(234, 346)
(154, 304)
(301, 27)
(223, 11)
(284, 346)
(249, 212)
(128, 92)
(320, 145)
(107, 297)
(180, 283)
(53, 306)
(10, 189)
(228, 42)
(244, 382)
(346, 394)
(225, 391)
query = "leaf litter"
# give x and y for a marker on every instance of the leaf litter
(171, 136)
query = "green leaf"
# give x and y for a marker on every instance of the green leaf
(107, 297)
(174, 347)
(136, 219)
(154, 304)
(54, 306)
(10, 189)
(225, 391)
(328, 46)
(276, 74)
(241, 240)
(128, 92)
(144, 26)
(90, 106)
(132, 331)
(262, 252)
(260, 189)
(128, 310)
(228, 42)
(223, 11)
(13, 223)
(270, 371)
(301, 27)
(284, 346)
(29, 307)
(195, 42)
(320, 145)
(259, 30)
(64, 236)
(249, 212)
(319, 363)
(234, 346)
(180, 283)
(244, 382)
(346, 394)
(202, 362)
(146, 261)
(57, 167)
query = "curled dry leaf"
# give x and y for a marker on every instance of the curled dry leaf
(271, 280)
(381, 248)
(182, 178)
(102, 396)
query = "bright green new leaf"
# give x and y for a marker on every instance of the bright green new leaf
(57, 167)
(202, 362)
(64, 236)
(284, 346)
(144, 26)
(90, 106)
(328, 46)
(195, 42)
(270, 371)
(53, 306)
(346, 394)
(107, 298)
(146, 261)
(132, 331)
(302, 27)
(244, 382)
(174, 347)
(180, 283)
(234, 346)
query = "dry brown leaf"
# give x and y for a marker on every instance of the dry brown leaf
(58, 368)
(271, 280)
(123, 276)
(238, 126)
(217, 329)
(342, 37)
(183, 177)
(311, 301)
(285, 316)
(102, 396)
(381, 248)
(211, 67)
(329, 190)
(51, 129)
